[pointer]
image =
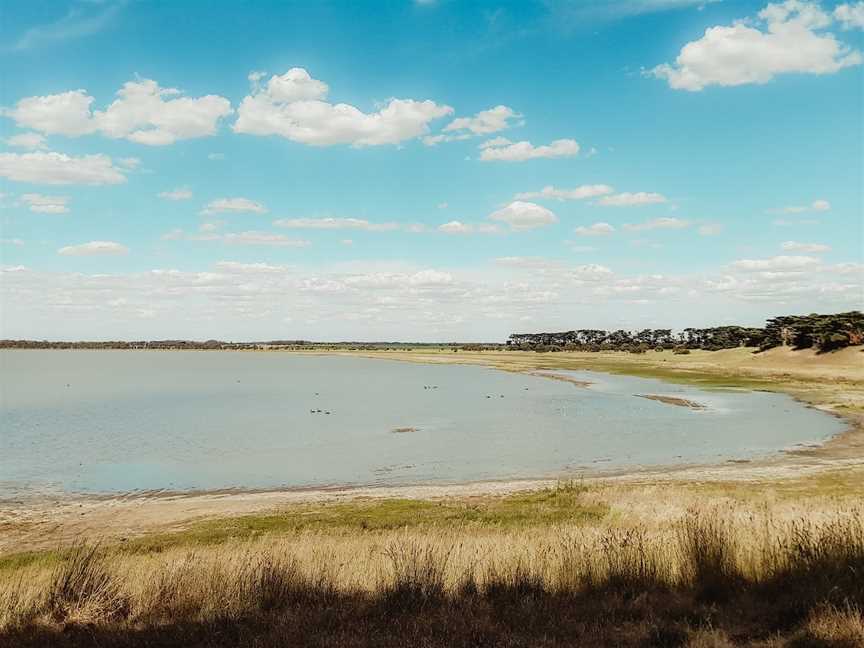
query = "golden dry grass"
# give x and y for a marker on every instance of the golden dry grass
(714, 573)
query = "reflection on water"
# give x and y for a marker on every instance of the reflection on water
(109, 421)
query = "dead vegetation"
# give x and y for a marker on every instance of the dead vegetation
(714, 576)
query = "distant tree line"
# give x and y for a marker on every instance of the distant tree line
(823, 332)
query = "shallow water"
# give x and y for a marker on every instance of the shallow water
(119, 421)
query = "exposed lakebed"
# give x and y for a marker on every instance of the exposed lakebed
(121, 421)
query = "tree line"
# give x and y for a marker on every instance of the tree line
(822, 332)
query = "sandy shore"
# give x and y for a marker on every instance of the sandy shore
(832, 382)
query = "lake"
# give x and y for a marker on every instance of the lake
(121, 421)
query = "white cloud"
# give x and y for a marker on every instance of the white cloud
(455, 227)
(495, 141)
(94, 248)
(590, 272)
(12, 241)
(597, 229)
(208, 232)
(657, 223)
(521, 215)
(292, 105)
(851, 16)
(632, 199)
(216, 156)
(579, 193)
(813, 248)
(458, 227)
(347, 242)
(181, 193)
(334, 224)
(144, 113)
(484, 122)
(503, 150)
(262, 238)
(67, 113)
(434, 140)
(42, 204)
(29, 141)
(233, 205)
(776, 264)
(816, 206)
(794, 41)
(59, 169)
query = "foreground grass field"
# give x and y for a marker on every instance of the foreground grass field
(743, 559)
(567, 565)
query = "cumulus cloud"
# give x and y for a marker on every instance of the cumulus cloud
(29, 141)
(208, 232)
(293, 106)
(786, 37)
(181, 193)
(261, 238)
(42, 204)
(520, 215)
(850, 16)
(812, 248)
(501, 149)
(777, 264)
(484, 122)
(59, 169)
(657, 223)
(143, 112)
(597, 229)
(632, 199)
(458, 227)
(233, 205)
(334, 224)
(579, 193)
(94, 248)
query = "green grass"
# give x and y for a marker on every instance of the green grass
(11, 562)
(562, 503)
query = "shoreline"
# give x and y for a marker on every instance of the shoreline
(32, 522)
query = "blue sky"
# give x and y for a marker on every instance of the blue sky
(354, 170)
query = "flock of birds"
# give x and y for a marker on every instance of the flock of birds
(320, 411)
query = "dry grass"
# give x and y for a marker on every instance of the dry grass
(714, 576)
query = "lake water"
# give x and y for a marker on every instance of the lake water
(119, 421)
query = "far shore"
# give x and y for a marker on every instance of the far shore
(833, 383)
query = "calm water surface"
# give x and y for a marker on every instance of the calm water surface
(119, 421)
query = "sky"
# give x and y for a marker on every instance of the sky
(426, 170)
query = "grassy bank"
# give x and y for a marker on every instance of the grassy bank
(718, 575)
